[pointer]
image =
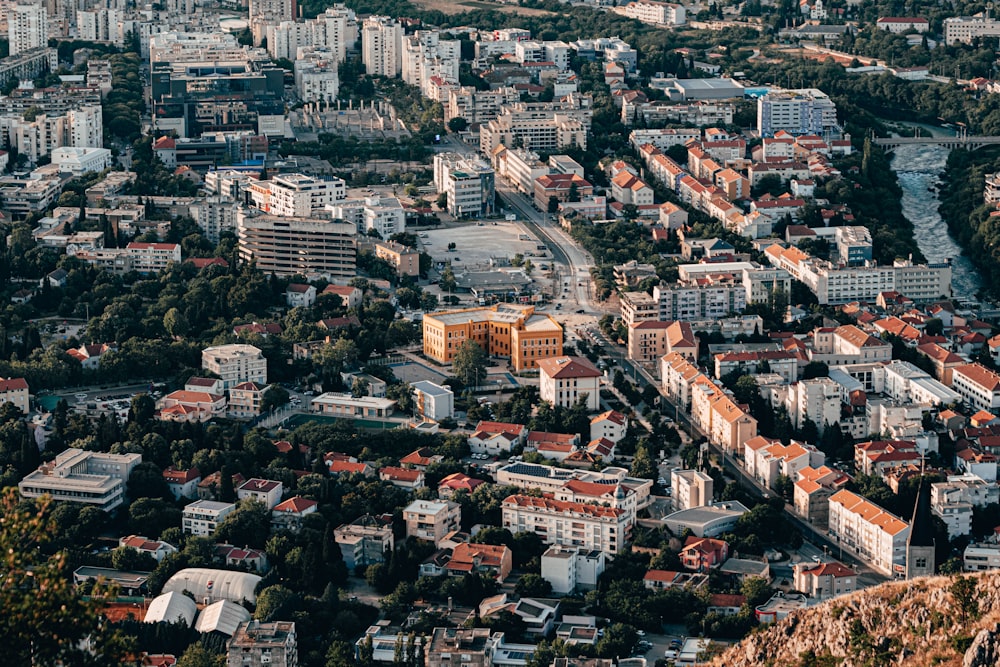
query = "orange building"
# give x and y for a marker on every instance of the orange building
(405, 260)
(504, 330)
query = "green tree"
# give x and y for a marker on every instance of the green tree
(532, 585)
(176, 323)
(197, 655)
(44, 622)
(469, 364)
(274, 603)
(249, 524)
(963, 592)
(274, 396)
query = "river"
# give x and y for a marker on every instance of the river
(917, 170)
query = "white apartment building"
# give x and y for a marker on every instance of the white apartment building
(562, 381)
(432, 401)
(520, 168)
(431, 520)
(877, 536)
(817, 400)
(27, 27)
(959, 29)
(532, 51)
(698, 302)
(79, 161)
(100, 25)
(800, 111)
(235, 364)
(715, 413)
(690, 489)
(571, 569)
(904, 382)
(677, 375)
(317, 77)
(382, 46)
(425, 56)
(540, 126)
(468, 183)
(900, 24)
(978, 386)
(80, 476)
(296, 195)
(364, 542)
(36, 138)
(656, 13)
(385, 215)
(289, 246)
(478, 106)
(265, 491)
(571, 524)
(152, 257)
(214, 215)
(329, 31)
(202, 517)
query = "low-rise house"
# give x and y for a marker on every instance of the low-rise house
(90, 356)
(493, 560)
(495, 438)
(610, 425)
(825, 580)
(457, 481)
(245, 400)
(349, 296)
(289, 514)
(245, 558)
(265, 491)
(404, 478)
(431, 520)
(156, 549)
(420, 459)
(562, 381)
(191, 406)
(182, 483)
(300, 296)
(725, 604)
(433, 401)
(703, 553)
(346, 405)
(210, 486)
(658, 580)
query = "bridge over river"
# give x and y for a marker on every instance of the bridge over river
(968, 142)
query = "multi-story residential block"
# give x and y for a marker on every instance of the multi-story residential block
(100, 25)
(698, 302)
(27, 27)
(678, 375)
(317, 77)
(296, 195)
(478, 106)
(384, 215)
(404, 259)
(656, 13)
(878, 537)
(812, 490)
(848, 344)
(651, 340)
(503, 330)
(766, 464)
(289, 246)
(954, 501)
(475, 646)
(715, 413)
(802, 111)
(565, 380)
(245, 400)
(904, 382)
(431, 520)
(567, 523)
(571, 569)
(80, 476)
(817, 400)
(256, 644)
(79, 161)
(152, 257)
(978, 386)
(877, 456)
(559, 187)
(425, 56)
(363, 542)
(690, 489)
(334, 31)
(202, 517)
(540, 126)
(780, 362)
(382, 46)
(235, 363)
(854, 245)
(468, 184)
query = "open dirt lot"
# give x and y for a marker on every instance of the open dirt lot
(448, 7)
(475, 245)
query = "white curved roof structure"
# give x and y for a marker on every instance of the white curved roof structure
(211, 585)
(171, 607)
(223, 616)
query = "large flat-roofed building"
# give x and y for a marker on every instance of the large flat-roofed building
(707, 521)
(288, 246)
(878, 537)
(296, 195)
(235, 364)
(79, 476)
(202, 517)
(503, 330)
(963, 29)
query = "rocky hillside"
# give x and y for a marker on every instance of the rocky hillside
(930, 621)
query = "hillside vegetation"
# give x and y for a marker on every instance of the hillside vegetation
(946, 621)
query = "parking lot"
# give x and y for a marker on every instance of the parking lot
(475, 244)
